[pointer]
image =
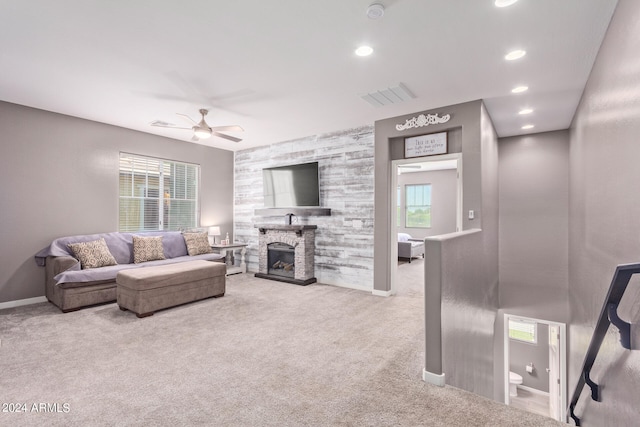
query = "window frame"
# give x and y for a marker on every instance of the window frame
(522, 326)
(191, 171)
(407, 223)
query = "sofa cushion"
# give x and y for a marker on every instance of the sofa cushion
(197, 243)
(147, 249)
(93, 254)
(169, 275)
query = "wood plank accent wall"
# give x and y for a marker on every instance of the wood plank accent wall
(344, 253)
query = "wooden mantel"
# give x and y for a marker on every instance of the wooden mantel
(286, 227)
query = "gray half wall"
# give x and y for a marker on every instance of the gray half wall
(59, 177)
(460, 340)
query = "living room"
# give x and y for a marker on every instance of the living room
(60, 178)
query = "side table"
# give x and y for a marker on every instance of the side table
(227, 251)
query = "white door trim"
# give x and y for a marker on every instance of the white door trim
(393, 230)
(563, 360)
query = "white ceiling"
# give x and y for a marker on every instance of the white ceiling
(286, 69)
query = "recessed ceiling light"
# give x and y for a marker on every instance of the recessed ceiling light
(504, 3)
(520, 89)
(516, 54)
(364, 51)
(525, 127)
(525, 111)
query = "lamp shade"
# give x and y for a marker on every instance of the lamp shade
(214, 231)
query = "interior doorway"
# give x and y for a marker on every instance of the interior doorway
(535, 350)
(399, 218)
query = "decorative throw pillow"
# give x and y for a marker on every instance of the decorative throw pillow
(92, 254)
(197, 243)
(147, 249)
(403, 237)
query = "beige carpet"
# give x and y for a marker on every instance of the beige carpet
(266, 354)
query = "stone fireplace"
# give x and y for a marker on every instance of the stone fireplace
(286, 253)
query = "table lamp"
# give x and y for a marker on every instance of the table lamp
(214, 231)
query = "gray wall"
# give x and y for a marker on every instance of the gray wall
(604, 211)
(59, 177)
(443, 201)
(534, 221)
(461, 269)
(522, 353)
(344, 252)
(465, 128)
(533, 232)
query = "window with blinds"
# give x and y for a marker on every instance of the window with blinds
(523, 330)
(157, 194)
(418, 206)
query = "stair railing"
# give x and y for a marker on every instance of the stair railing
(608, 315)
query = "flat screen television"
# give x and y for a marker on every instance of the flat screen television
(291, 186)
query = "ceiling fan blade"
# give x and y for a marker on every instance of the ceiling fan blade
(188, 118)
(232, 128)
(161, 124)
(230, 138)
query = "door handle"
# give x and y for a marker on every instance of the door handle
(548, 370)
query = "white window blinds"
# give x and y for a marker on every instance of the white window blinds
(418, 206)
(157, 194)
(523, 330)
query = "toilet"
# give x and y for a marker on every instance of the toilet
(514, 380)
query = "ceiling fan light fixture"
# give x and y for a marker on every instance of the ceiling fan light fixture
(515, 54)
(364, 51)
(202, 133)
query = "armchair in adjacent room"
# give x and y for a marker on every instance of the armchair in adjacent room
(409, 247)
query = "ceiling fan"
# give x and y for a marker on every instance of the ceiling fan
(201, 130)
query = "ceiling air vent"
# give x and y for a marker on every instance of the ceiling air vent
(160, 123)
(392, 95)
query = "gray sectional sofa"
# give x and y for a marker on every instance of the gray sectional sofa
(71, 287)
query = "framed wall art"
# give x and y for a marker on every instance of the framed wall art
(425, 145)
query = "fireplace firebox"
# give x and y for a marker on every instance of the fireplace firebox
(281, 259)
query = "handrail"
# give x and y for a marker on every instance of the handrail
(608, 315)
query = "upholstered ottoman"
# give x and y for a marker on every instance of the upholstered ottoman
(145, 290)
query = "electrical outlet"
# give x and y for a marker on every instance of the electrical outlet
(472, 214)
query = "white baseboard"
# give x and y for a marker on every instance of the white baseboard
(326, 281)
(431, 378)
(533, 390)
(21, 302)
(381, 293)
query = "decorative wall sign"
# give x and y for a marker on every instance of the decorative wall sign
(423, 120)
(425, 145)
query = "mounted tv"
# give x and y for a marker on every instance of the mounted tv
(291, 186)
